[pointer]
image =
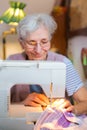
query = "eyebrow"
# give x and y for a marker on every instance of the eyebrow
(32, 41)
(36, 41)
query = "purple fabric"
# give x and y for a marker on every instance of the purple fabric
(63, 122)
(59, 119)
(19, 92)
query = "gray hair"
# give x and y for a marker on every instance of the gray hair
(33, 21)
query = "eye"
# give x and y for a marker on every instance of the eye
(32, 42)
(44, 41)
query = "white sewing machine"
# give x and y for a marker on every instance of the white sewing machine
(20, 117)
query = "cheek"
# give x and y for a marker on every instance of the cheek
(28, 50)
(47, 47)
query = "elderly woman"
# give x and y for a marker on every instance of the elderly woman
(35, 32)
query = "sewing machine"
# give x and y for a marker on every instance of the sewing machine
(20, 117)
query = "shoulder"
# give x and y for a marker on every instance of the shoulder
(56, 57)
(18, 56)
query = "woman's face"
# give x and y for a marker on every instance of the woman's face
(37, 44)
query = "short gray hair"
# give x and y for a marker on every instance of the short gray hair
(33, 21)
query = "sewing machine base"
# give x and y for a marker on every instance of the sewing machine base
(13, 124)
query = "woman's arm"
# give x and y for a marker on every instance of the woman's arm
(80, 98)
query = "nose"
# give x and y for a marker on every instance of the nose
(38, 48)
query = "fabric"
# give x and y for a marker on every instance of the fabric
(60, 119)
(73, 81)
(36, 88)
(19, 92)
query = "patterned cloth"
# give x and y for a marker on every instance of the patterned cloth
(60, 119)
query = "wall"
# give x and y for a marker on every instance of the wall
(32, 6)
(75, 46)
(78, 21)
(78, 14)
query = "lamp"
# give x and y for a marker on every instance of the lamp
(12, 16)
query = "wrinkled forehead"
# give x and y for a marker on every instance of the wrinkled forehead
(39, 33)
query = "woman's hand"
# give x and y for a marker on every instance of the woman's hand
(40, 100)
(63, 104)
(36, 100)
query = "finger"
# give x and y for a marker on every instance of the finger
(31, 103)
(43, 98)
(57, 103)
(39, 101)
(35, 99)
(66, 104)
(71, 108)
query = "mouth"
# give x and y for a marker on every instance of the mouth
(38, 56)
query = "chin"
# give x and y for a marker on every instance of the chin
(39, 58)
